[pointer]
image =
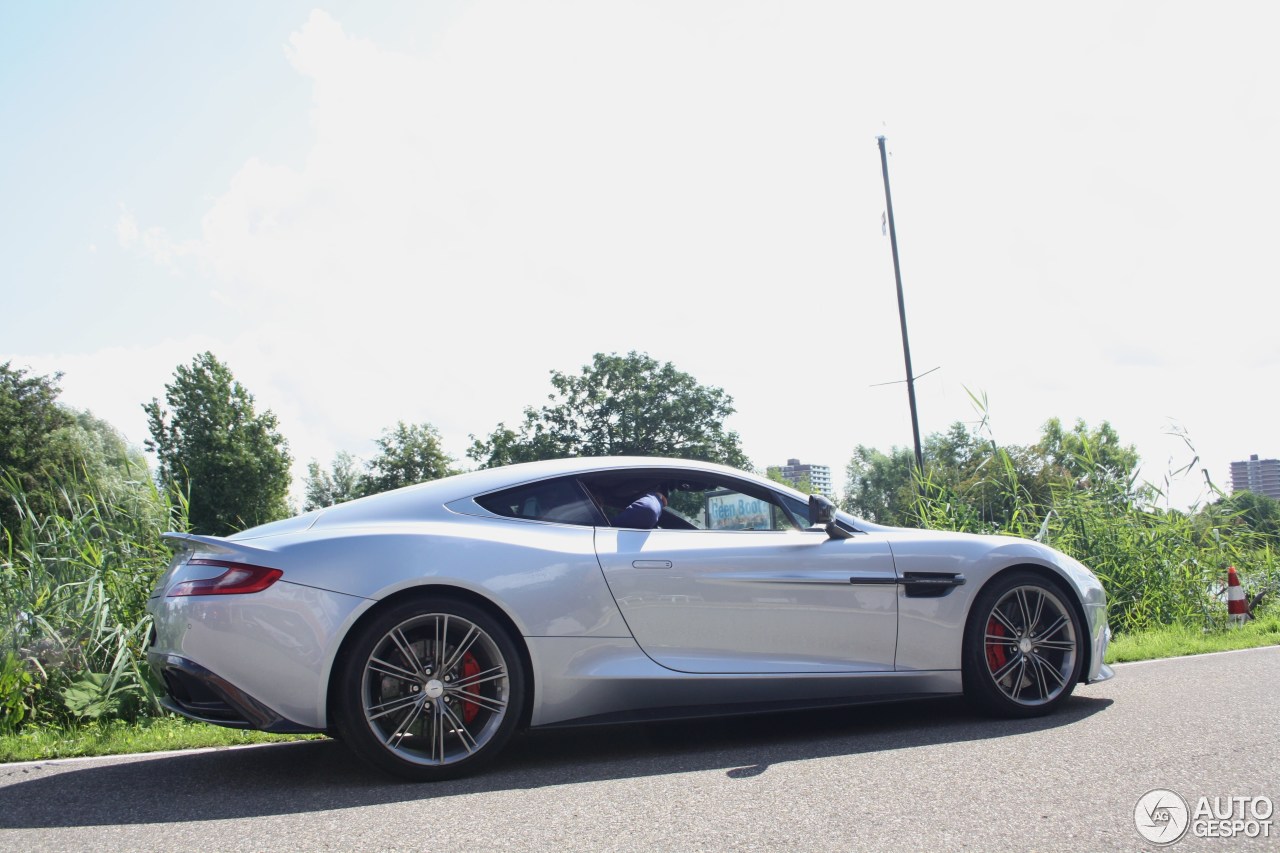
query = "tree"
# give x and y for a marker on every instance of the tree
(29, 416)
(338, 485)
(1084, 453)
(408, 454)
(50, 453)
(994, 482)
(94, 450)
(1257, 512)
(505, 446)
(628, 405)
(803, 483)
(213, 446)
(881, 487)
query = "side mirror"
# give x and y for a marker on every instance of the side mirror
(823, 511)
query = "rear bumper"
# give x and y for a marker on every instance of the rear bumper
(198, 694)
(259, 660)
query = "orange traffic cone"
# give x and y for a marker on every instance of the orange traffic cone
(1237, 609)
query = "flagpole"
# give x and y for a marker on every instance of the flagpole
(902, 308)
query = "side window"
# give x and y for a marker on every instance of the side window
(729, 509)
(696, 501)
(561, 501)
(799, 509)
(725, 504)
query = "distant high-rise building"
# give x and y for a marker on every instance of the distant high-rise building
(819, 476)
(1260, 476)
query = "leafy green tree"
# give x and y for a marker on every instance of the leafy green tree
(339, 484)
(213, 446)
(1004, 482)
(1086, 453)
(1258, 513)
(95, 451)
(994, 482)
(630, 405)
(956, 451)
(505, 446)
(30, 415)
(880, 487)
(48, 449)
(407, 454)
(804, 483)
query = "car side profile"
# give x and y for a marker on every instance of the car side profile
(426, 625)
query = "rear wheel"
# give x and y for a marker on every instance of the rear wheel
(430, 689)
(1022, 651)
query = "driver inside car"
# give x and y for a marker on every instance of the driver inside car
(643, 512)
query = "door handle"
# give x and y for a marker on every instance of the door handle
(651, 564)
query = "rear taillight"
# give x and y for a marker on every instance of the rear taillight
(238, 579)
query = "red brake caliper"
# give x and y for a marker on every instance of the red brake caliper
(995, 650)
(470, 668)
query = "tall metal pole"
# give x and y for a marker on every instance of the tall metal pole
(902, 307)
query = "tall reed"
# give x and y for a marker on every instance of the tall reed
(1160, 566)
(74, 583)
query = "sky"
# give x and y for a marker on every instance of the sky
(416, 210)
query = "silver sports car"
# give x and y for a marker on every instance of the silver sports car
(424, 626)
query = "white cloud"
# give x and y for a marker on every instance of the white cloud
(701, 181)
(154, 243)
(127, 228)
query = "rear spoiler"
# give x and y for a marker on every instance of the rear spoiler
(209, 544)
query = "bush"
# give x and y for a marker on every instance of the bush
(1159, 566)
(74, 582)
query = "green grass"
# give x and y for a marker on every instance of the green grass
(37, 743)
(1179, 640)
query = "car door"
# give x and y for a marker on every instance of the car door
(770, 599)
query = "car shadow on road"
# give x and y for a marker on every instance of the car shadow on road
(321, 775)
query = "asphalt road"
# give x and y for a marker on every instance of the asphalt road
(918, 776)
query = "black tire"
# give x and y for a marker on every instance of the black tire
(429, 689)
(1023, 646)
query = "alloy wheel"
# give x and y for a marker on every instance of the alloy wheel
(1030, 645)
(435, 689)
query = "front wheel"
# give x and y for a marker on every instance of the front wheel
(430, 689)
(1022, 650)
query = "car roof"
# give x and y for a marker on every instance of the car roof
(426, 499)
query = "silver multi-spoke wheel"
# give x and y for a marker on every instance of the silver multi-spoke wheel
(1023, 647)
(1030, 644)
(431, 691)
(435, 689)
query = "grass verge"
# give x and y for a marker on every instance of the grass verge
(1173, 641)
(37, 743)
